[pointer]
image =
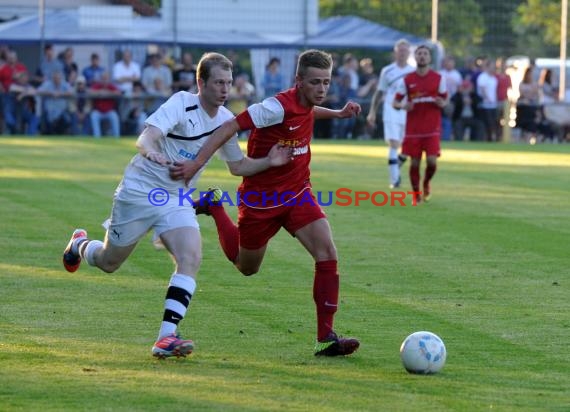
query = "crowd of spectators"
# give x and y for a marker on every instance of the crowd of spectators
(59, 97)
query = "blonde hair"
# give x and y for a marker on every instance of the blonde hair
(402, 42)
(210, 60)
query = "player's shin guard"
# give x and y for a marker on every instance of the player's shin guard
(325, 295)
(178, 296)
(228, 233)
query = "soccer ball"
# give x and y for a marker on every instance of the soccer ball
(423, 353)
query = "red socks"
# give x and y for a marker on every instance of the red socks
(430, 171)
(325, 295)
(227, 232)
(415, 177)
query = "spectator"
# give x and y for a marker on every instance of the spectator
(70, 69)
(80, 108)
(343, 128)
(350, 67)
(93, 72)
(465, 102)
(478, 68)
(48, 66)
(25, 104)
(241, 94)
(55, 101)
(366, 89)
(9, 71)
(527, 104)
(487, 90)
(368, 79)
(273, 78)
(503, 86)
(158, 94)
(126, 72)
(547, 93)
(135, 110)
(469, 68)
(528, 89)
(184, 77)
(452, 79)
(3, 52)
(234, 58)
(157, 70)
(105, 107)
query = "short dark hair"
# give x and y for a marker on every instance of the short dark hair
(313, 58)
(210, 60)
(423, 46)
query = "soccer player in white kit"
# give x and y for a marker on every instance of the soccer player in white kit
(394, 120)
(147, 198)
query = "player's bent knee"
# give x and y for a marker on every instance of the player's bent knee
(327, 253)
(110, 267)
(189, 260)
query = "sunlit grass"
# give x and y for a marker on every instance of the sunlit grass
(484, 265)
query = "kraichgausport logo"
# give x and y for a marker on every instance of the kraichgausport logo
(340, 197)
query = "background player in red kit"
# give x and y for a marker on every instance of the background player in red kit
(287, 119)
(426, 95)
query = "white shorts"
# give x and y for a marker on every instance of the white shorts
(133, 215)
(394, 131)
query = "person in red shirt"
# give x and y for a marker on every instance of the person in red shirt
(282, 196)
(503, 85)
(8, 74)
(422, 94)
(105, 106)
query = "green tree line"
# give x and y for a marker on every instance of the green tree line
(467, 27)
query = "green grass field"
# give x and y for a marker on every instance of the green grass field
(485, 265)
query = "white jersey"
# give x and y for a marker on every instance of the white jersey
(487, 88)
(390, 77)
(185, 127)
(120, 69)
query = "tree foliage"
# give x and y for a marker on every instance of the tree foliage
(537, 26)
(460, 25)
(467, 27)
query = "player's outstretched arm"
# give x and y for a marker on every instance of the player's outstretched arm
(186, 170)
(350, 109)
(376, 99)
(277, 156)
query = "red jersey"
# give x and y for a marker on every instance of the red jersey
(105, 104)
(424, 120)
(280, 119)
(503, 86)
(7, 73)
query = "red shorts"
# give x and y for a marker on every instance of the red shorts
(257, 226)
(415, 146)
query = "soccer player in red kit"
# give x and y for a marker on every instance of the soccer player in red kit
(282, 196)
(425, 95)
